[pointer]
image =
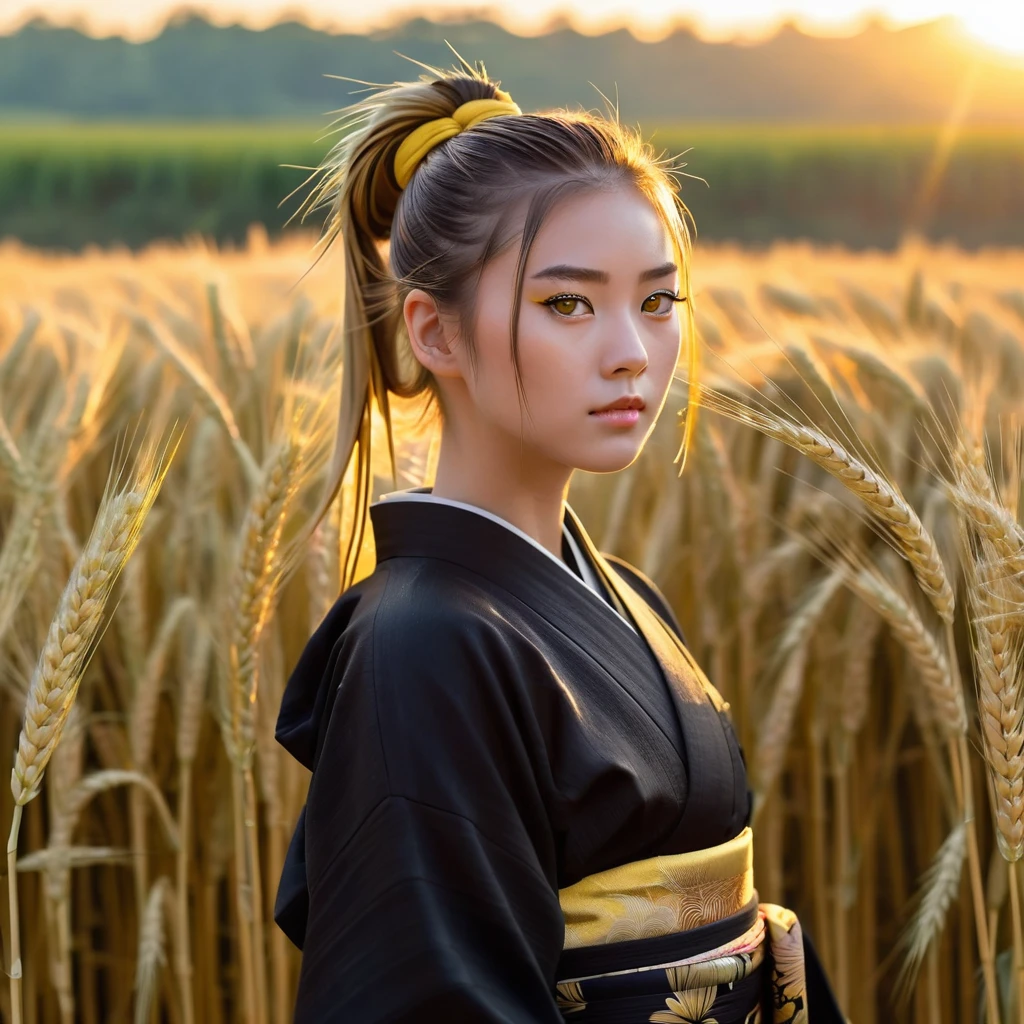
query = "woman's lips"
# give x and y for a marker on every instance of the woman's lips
(618, 417)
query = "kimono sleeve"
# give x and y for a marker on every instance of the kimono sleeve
(430, 859)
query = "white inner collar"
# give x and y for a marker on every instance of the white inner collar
(589, 579)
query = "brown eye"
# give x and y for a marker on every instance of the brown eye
(565, 306)
(655, 298)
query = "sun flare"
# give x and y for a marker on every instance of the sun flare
(1000, 26)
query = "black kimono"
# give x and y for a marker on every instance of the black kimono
(484, 730)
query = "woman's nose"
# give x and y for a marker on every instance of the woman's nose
(626, 351)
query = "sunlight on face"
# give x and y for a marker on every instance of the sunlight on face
(585, 339)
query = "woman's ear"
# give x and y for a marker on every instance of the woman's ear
(430, 336)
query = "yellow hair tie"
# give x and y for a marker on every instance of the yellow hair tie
(419, 142)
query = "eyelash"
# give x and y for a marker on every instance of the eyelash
(674, 296)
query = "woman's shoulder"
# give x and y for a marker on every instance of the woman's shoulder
(422, 619)
(401, 634)
(427, 597)
(410, 593)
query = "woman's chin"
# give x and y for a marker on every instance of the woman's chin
(609, 461)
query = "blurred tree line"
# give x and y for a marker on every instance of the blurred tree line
(68, 186)
(193, 70)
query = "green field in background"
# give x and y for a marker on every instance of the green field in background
(66, 185)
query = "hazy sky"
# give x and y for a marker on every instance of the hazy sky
(1000, 22)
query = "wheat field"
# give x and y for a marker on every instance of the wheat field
(843, 548)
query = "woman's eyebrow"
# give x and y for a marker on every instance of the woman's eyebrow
(564, 272)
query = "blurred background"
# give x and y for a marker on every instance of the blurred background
(121, 122)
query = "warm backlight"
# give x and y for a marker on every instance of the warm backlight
(998, 25)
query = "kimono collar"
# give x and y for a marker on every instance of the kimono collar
(475, 539)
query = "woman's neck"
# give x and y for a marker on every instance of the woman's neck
(532, 498)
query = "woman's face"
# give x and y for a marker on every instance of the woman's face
(597, 323)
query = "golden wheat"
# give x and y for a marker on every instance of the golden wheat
(880, 496)
(840, 711)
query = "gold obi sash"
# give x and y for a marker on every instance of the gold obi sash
(664, 895)
(660, 895)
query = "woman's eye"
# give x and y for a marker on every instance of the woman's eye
(565, 305)
(669, 297)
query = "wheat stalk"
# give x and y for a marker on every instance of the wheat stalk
(192, 696)
(100, 782)
(859, 646)
(145, 703)
(132, 624)
(70, 857)
(10, 457)
(147, 693)
(205, 387)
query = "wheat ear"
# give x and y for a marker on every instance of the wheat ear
(1001, 713)
(34, 490)
(996, 656)
(70, 643)
(946, 699)
(939, 886)
(72, 638)
(791, 654)
(880, 496)
(151, 956)
(997, 525)
(255, 586)
(254, 590)
(263, 563)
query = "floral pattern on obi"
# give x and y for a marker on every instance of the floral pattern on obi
(754, 977)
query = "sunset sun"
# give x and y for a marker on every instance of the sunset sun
(999, 26)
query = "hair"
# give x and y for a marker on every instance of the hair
(461, 208)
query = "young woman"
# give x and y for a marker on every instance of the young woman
(527, 802)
